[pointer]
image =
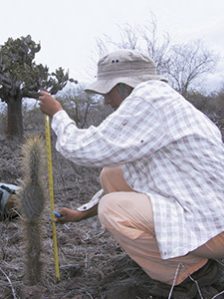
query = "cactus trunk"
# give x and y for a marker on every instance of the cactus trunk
(33, 264)
(32, 197)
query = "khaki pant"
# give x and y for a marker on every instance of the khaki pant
(127, 215)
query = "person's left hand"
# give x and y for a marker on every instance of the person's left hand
(69, 215)
(48, 104)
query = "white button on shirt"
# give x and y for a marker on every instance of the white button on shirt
(168, 150)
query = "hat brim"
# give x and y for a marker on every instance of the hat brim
(103, 86)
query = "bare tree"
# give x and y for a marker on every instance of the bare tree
(146, 39)
(182, 64)
(78, 103)
(129, 37)
(188, 62)
(157, 45)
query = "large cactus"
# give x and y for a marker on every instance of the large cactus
(32, 204)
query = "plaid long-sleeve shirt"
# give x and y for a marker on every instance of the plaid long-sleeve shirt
(168, 150)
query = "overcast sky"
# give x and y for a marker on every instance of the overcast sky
(68, 29)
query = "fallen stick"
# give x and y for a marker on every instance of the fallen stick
(10, 283)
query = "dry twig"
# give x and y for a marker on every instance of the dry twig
(10, 283)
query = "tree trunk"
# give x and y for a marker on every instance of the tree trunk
(15, 119)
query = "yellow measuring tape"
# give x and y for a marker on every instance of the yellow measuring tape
(51, 194)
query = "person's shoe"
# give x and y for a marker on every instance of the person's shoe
(205, 276)
(185, 290)
(208, 274)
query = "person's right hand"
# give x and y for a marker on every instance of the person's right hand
(48, 104)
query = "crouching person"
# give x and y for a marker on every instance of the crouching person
(162, 194)
(8, 201)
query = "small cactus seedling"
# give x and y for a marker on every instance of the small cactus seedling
(32, 198)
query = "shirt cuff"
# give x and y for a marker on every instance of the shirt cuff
(60, 120)
(93, 202)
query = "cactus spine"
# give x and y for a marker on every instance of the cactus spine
(32, 198)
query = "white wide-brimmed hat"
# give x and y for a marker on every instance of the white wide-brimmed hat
(123, 66)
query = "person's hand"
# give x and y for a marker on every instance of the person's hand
(69, 215)
(48, 104)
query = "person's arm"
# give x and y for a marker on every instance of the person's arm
(134, 131)
(70, 215)
(127, 135)
(85, 211)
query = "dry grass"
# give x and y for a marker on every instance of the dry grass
(92, 264)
